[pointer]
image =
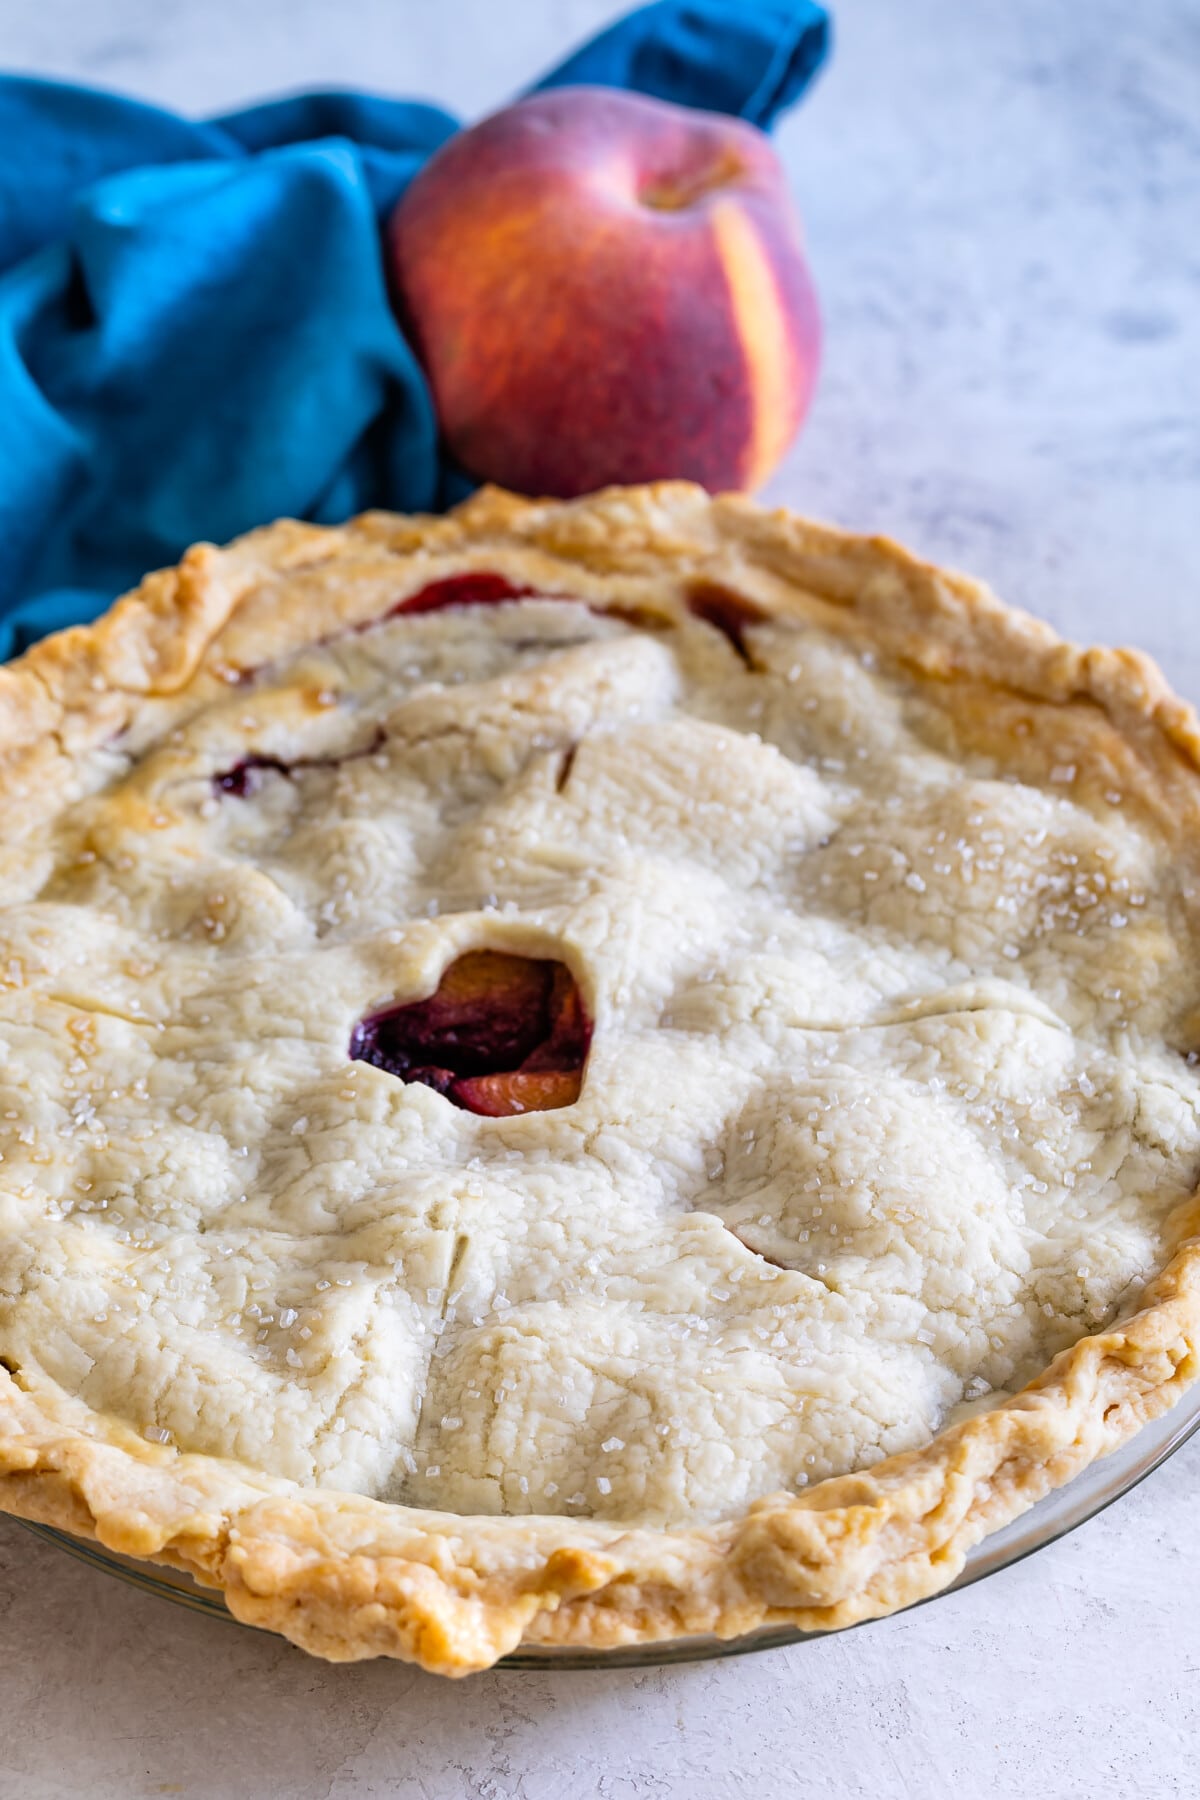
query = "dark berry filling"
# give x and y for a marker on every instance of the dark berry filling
(502, 1034)
(476, 588)
(244, 778)
(727, 612)
(483, 587)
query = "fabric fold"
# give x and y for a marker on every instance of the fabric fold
(195, 330)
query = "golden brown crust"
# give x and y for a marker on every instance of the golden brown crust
(348, 1577)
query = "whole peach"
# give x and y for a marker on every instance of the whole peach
(607, 288)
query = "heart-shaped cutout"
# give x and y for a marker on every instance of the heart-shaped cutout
(502, 1034)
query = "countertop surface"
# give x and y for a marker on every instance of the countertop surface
(1002, 203)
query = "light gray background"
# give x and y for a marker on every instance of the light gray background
(1003, 207)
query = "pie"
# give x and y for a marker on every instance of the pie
(585, 1073)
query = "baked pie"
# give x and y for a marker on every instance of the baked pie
(585, 1073)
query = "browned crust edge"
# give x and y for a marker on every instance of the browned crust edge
(346, 1577)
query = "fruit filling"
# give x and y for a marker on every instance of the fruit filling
(244, 778)
(485, 587)
(727, 612)
(477, 587)
(502, 1034)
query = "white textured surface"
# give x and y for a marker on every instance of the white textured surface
(1002, 205)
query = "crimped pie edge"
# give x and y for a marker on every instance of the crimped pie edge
(348, 1577)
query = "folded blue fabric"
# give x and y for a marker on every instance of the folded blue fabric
(195, 333)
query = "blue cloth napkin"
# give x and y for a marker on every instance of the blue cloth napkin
(195, 333)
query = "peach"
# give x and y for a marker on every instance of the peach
(607, 288)
(525, 1090)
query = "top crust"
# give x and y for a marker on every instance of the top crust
(348, 1576)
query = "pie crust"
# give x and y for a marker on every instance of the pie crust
(1042, 931)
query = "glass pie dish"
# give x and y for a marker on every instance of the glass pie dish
(590, 1074)
(1098, 1486)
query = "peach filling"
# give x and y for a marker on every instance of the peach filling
(501, 1034)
